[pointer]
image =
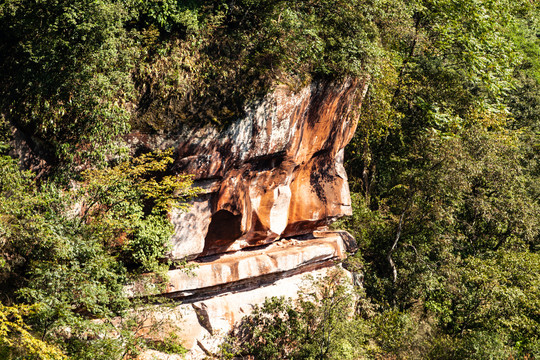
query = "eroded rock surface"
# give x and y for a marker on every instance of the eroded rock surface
(272, 182)
(272, 261)
(278, 172)
(205, 323)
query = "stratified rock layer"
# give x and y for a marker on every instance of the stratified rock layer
(218, 293)
(267, 262)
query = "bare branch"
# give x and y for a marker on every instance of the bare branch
(389, 256)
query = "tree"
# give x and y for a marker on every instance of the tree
(66, 77)
(446, 176)
(320, 324)
(75, 266)
(16, 341)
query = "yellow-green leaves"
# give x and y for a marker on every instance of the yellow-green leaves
(16, 339)
(128, 204)
(72, 250)
(146, 174)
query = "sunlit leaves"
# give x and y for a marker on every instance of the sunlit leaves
(17, 341)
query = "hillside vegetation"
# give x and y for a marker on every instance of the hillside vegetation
(444, 169)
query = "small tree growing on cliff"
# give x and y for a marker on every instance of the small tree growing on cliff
(320, 324)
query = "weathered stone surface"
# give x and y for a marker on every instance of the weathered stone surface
(223, 289)
(273, 181)
(275, 173)
(190, 228)
(224, 312)
(277, 258)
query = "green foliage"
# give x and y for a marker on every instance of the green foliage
(170, 345)
(320, 324)
(445, 173)
(492, 297)
(273, 330)
(323, 36)
(79, 74)
(168, 15)
(66, 76)
(128, 204)
(444, 168)
(15, 339)
(241, 49)
(76, 265)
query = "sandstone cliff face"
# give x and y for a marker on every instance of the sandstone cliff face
(272, 182)
(276, 173)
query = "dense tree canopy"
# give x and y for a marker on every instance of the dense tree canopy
(444, 167)
(447, 205)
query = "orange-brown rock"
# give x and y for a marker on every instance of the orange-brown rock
(273, 180)
(278, 258)
(275, 173)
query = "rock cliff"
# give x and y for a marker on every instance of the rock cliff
(273, 180)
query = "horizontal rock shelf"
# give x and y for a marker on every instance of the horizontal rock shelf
(282, 257)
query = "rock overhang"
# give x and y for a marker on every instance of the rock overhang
(265, 263)
(272, 182)
(275, 173)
